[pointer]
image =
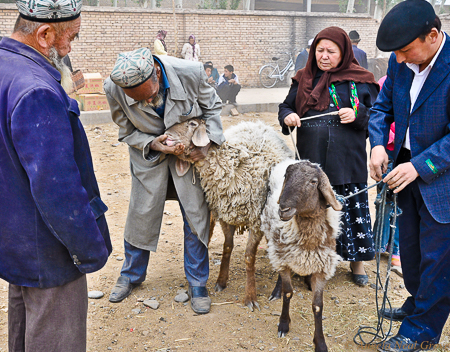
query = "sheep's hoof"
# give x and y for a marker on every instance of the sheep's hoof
(219, 288)
(252, 304)
(274, 297)
(283, 329)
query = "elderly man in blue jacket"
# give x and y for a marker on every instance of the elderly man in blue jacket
(52, 225)
(416, 96)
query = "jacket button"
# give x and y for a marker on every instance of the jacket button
(74, 257)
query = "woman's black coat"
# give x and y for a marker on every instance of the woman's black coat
(340, 149)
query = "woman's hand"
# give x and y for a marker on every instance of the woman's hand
(292, 120)
(347, 115)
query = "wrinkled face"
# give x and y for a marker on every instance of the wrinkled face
(208, 71)
(300, 194)
(227, 73)
(62, 43)
(328, 55)
(147, 91)
(183, 133)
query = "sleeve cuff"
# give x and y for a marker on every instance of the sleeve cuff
(150, 154)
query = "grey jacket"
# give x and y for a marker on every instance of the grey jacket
(189, 96)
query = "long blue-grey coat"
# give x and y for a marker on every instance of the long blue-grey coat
(189, 96)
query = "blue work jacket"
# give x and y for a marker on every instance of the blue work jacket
(52, 223)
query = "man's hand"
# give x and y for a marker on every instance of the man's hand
(292, 120)
(157, 144)
(378, 162)
(401, 176)
(211, 80)
(347, 115)
(232, 81)
(199, 153)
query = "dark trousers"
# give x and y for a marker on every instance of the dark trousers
(425, 256)
(228, 92)
(49, 319)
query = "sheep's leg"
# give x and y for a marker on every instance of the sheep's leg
(318, 284)
(276, 293)
(283, 326)
(228, 231)
(254, 238)
(212, 224)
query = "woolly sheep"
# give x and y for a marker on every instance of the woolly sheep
(234, 177)
(301, 233)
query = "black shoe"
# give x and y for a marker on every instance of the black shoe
(360, 280)
(400, 343)
(122, 289)
(395, 314)
(200, 301)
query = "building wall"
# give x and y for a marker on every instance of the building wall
(244, 39)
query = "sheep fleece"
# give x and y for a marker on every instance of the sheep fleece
(235, 175)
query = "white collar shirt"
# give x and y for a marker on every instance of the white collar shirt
(417, 84)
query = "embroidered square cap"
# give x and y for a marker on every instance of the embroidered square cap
(49, 11)
(404, 23)
(133, 68)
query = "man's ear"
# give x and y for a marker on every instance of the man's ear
(434, 35)
(45, 37)
(158, 72)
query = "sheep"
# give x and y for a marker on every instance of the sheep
(301, 232)
(234, 177)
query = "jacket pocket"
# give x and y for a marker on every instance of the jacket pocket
(98, 207)
(191, 112)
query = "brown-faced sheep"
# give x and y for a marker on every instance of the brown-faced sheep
(301, 231)
(235, 179)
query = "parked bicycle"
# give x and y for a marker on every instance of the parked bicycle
(270, 74)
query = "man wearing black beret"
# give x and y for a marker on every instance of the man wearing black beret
(416, 96)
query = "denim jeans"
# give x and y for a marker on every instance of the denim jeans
(196, 260)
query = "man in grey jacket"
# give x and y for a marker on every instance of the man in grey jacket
(147, 95)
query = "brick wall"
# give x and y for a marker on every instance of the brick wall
(244, 39)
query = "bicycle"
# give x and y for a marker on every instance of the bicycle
(270, 74)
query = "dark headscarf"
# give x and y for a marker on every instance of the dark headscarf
(161, 36)
(347, 70)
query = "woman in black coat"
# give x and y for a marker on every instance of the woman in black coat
(333, 81)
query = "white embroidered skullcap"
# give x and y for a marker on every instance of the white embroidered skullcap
(49, 10)
(133, 68)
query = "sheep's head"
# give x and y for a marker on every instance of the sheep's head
(190, 133)
(306, 191)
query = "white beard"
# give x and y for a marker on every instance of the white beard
(66, 76)
(157, 101)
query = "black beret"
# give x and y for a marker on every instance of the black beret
(404, 24)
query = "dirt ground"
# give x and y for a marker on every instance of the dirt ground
(229, 326)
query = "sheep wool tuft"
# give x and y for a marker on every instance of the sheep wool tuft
(304, 250)
(235, 175)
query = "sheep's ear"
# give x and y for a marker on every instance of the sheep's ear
(200, 137)
(327, 192)
(182, 167)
